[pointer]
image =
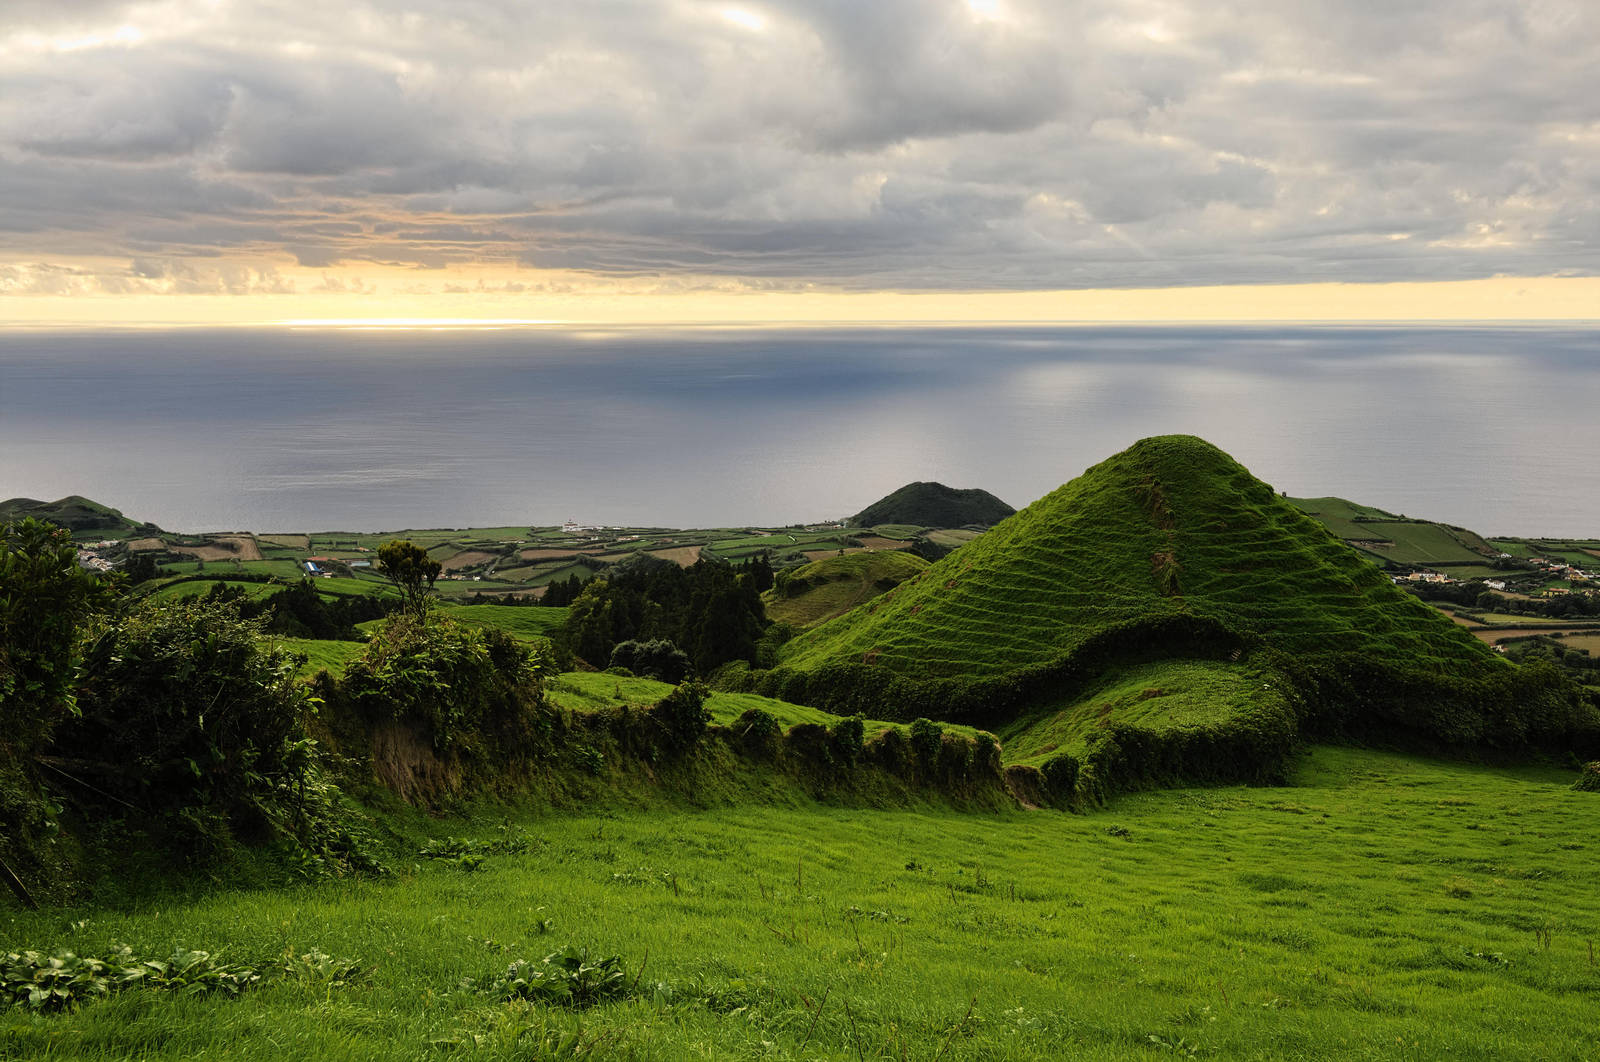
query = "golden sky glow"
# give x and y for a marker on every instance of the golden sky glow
(218, 162)
(1502, 298)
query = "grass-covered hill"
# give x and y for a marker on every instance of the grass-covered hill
(1169, 551)
(817, 592)
(934, 505)
(76, 514)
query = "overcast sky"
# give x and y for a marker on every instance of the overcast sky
(190, 146)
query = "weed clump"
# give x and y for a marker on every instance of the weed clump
(567, 977)
(1589, 780)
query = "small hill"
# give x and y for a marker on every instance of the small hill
(817, 592)
(1168, 552)
(934, 505)
(76, 514)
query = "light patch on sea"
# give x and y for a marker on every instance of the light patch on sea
(1492, 428)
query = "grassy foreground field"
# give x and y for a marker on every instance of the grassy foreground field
(1383, 907)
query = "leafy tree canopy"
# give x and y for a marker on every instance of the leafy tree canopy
(408, 566)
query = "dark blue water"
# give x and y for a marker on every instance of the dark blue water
(1496, 428)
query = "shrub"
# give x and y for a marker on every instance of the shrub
(891, 751)
(811, 743)
(1060, 778)
(926, 738)
(759, 731)
(45, 600)
(986, 752)
(1589, 780)
(463, 688)
(185, 710)
(849, 735)
(955, 758)
(682, 714)
(657, 659)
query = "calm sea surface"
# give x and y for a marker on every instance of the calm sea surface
(1497, 429)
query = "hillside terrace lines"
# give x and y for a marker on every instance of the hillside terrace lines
(1081, 560)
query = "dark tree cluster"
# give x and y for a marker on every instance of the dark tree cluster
(563, 592)
(1474, 594)
(712, 611)
(298, 611)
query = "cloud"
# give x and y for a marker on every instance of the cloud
(901, 143)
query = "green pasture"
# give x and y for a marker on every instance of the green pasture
(1492, 619)
(901, 531)
(523, 621)
(1382, 907)
(587, 691)
(830, 587)
(1161, 696)
(953, 537)
(1419, 543)
(1169, 527)
(1346, 519)
(321, 655)
(200, 587)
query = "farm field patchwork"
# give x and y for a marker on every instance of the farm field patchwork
(1381, 907)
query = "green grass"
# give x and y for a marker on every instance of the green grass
(587, 691)
(1170, 527)
(1339, 509)
(523, 621)
(322, 655)
(286, 569)
(1383, 907)
(1422, 543)
(952, 537)
(830, 587)
(1498, 618)
(201, 587)
(1162, 696)
(905, 532)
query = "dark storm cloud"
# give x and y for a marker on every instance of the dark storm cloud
(906, 143)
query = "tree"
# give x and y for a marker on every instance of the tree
(45, 598)
(45, 602)
(411, 570)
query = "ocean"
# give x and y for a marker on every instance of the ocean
(1492, 428)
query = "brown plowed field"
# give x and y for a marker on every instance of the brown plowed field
(682, 556)
(1490, 635)
(823, 554)
(468, 558)
(223, 547)
(878, 542)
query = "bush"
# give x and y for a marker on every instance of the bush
(955, 758)
(926, 739)
(45, 600)
(658, 659)
(848, 735)
(682, 715)
(186, 711)
(890, 751)
(1589, 780)
(464, 689)
(986, 752)
(758, 731)
(1060, 778)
